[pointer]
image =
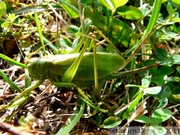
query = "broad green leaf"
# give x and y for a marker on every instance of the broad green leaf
(152, 90)
(97, 18)
(120, 32)
(158, 80)
(161, 115)
(175, 89)
(72, 30)
(2, 9)
(160, 53)
(165, 70)
(113, 4)
(176, 58)
(4, 24)
(86, 2)
(111, 122)
(146, 81)
(154, 70)
(118, 3)
(97, 119)
(163, 103)
(129, 12)
(169, 61)
(170, 9)
(71, 10)
(12, 17)
(176, 1)
(165, 92)
(178, 69)
(144, 119)
(176, 15)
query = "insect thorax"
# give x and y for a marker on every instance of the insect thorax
(40, 69)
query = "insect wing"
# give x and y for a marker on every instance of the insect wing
(107, 64)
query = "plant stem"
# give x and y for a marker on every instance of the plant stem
(115, 75)
(141, 43)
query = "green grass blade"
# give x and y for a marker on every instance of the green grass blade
(84, 29)
(133, 104)
(50, 45)
(31, 9)
(39, 29)
(153, 19)
(11, 83)
(71, 10)
(148, 32)
(72, 121)
(71, 71)
(81, 40)
(18, 102)
(19, 99)
(12, 61)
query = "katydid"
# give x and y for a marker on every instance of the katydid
(53, 67)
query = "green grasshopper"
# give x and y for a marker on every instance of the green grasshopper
(53, 67)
